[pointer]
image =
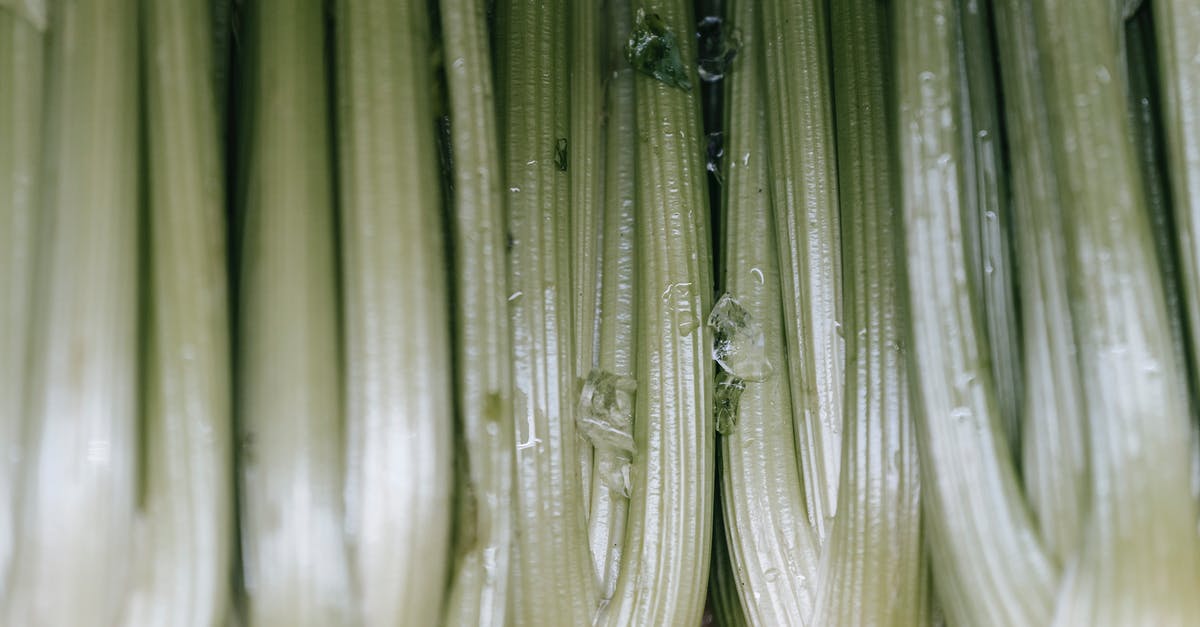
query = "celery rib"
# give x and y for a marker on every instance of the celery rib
(664, 567)
(186, 539)
(478, 593)
(397, 352)
(554, 583)
(989, 566)
(1054, 450)
(22, 67)
(616, 349)
(289, 394)
(872, 567)
(80, 471)
(772, 544)
(804, 189)
(1137, 414)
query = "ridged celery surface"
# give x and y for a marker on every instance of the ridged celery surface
(80, 483)
(1140, 563)
(616, 349)
(184, 545)
(399, 419)
(294, 558)
(772, 545)
(986, 222)
(871, 572)
(478, 593)
(804, 188)
(1054, 448)
(664, 568)
(1176, 31)
(553, 580)
(989, 565)
(22, 66)
(582, 156)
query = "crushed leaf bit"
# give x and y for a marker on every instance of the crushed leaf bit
(654, 50)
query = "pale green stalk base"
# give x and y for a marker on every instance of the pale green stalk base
(79, 481)
(1054, 437)
(804, 188)
(872, 567)
(664, 568)
(989, 566)
(553, 580)
(293, 549)
(616, 349)
(21, 72)
(184, 543)
(399, 420)
(723, 595)
(1140, 563)
(478, 593)
(771, 543)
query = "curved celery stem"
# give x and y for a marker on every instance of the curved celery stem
(989, 566)
(582, 156)
(664, 567)
(80, 472)
(554, 583)
(185, 544)
(397, 351)
(1176, 30)
(1137, 398)
(289, 394)
(871, 572)
(479, 586)
(616, 350)
(1054, 435)
(22, 60)
(986, 222)
(771, 542)
(804, 176)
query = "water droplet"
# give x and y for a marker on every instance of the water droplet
(1102, 74)
(605, 414)
(514, 189)
(726, 396)
(771, 575)
(515, 295)
(962, 412)
(458, 63)
(739, 344)
(758, 274)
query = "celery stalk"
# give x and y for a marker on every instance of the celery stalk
(664, 567)
(185, 542)
(289, 393)
(989, 566)
(478, 592)
(1176, 31)
(986, 222)
(616, 348)
(21, 71)
(81, 436)
(582, 155)
(723, 595)
(1137, 411)
(553, 582)
(804, 176)
(1054, 449)
(872, 567)
(772, 545)
(399, 418)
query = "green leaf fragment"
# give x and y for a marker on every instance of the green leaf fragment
(654, 50)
